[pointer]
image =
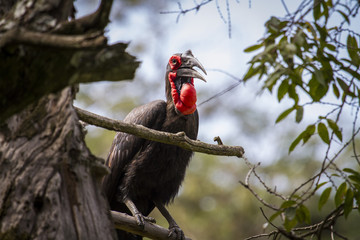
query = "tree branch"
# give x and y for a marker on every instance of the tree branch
(64, 67)
(96, 20)
(178, 139)
(128, 223)
(24, 36)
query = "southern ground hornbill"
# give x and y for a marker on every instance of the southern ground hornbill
(145, 174)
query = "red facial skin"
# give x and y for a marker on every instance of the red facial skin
(175, 62)
(185, 102)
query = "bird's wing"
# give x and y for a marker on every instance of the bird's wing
(126, 146)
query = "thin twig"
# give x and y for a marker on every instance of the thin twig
(181, 11)
(226, 90)
(262, 235)
(289, 235)
(258, 197)
(285, 7)
(268, 189)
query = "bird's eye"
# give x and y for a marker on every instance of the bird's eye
(175, 62)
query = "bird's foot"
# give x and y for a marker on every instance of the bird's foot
(175, 232)
(140, 220)
(150, 219)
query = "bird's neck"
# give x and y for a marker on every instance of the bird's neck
(185, 102)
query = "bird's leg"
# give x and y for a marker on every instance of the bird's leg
(140, 219)
(173, 227)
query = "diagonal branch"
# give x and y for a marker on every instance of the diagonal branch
(128, 223)
(178, 139)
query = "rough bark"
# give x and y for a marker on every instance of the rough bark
(48, 178)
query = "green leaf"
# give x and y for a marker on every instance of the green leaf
(331, 47)
(300, 38)
(323, 133)
(282, 90)
(290, 213)
(275, 215)
(346, 18)
(340, 194)
(336, 90)
(354, 175)
(320, 185)
(295, 143)
(353, 50)
(355, 178)
(299, 114)
(348, 203)
(343, 85)
(335, 128)
(326, 10)
(317, 91)
(329, 3)
(253, 48)
(303, 214)
(324, 197)
(309, 131)
(353, 73)
(284, 114)
(273, 25)
(305, 136)
(292, 93)
(322, 30)
(287, 204)
(316, 9)
(272, 79)
(252, 72)
(319, 77)
(290, 224)
(352, 171)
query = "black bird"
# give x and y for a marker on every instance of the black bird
(144, 173)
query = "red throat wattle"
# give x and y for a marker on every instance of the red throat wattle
(185, 102)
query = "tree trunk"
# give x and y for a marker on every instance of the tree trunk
(49, 180)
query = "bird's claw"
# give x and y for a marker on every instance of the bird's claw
(150, 219)
(140, 220)
(175, 232)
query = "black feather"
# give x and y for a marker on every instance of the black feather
(144, 172)
(147, 171)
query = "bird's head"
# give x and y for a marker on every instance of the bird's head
(180, 74)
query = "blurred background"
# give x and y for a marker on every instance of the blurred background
(211, 204)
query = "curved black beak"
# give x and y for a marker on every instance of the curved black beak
(188, 63)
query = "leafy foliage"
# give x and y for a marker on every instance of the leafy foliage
(312, 62)
(305, 57)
